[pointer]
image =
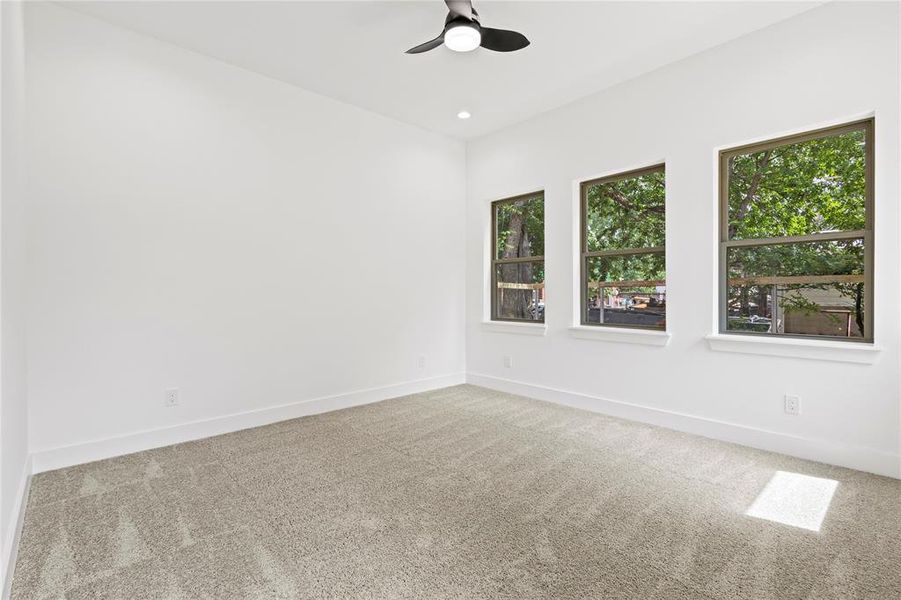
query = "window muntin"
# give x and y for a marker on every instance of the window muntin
(623, 261)
(517, 263)
(796, 236)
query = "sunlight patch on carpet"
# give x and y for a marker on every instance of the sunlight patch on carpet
(794, 499)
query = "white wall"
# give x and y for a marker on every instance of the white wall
(833, 63)
(194, 225)
(198, 226)
(13, 410)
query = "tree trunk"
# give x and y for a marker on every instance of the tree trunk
(762, 294)
(858, 308)
(514, 304)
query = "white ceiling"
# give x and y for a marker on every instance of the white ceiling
(354, 51)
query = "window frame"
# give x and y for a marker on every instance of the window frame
(868, 127)
(495, 261)
(585, 255)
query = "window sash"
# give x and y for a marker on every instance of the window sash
(868, 126)
(586, 255)
(495, 261)
(591, 283)
(495, 285)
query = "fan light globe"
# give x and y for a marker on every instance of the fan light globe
(462, 38)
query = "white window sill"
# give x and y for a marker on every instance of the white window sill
(516, 328)
(853, 352)
(620, 335)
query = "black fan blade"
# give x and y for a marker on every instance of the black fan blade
(430, 45)
(460, 8)
(502, 40)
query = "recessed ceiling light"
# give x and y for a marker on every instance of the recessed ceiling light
(463, 114)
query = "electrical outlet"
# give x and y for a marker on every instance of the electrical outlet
(171, 397)
(420, 362)
(792, 404)
(508, 361)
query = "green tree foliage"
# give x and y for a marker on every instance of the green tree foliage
(799, 189)
(838, 257)
(627, 213)
(637, 267)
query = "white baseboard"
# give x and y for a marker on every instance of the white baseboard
(11, 543)
(845, 455)
(860, 458)
(66, 456)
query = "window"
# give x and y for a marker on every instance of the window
(517, 263)
(796, 235)
(623, 250)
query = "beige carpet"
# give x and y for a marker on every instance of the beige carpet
(459, 493)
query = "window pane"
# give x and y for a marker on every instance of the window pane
(812, 288)
(628, 213)
(520, 228)
(627, 290)
(520, 291)
(799, 189)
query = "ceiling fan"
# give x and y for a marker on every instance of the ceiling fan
(463, 32)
